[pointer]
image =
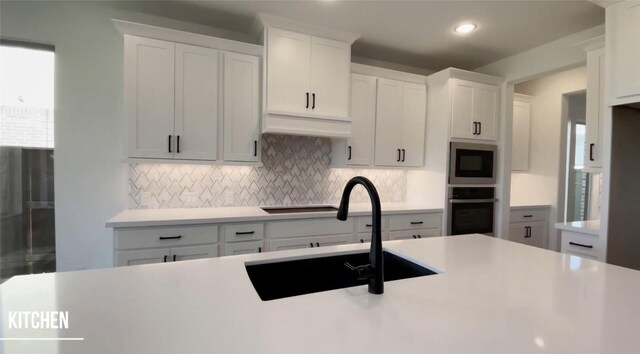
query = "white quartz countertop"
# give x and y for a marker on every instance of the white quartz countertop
(591, 227)
(493, 296)
(183, 216)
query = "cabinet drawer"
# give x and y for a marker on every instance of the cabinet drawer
(147, 237)
(309, 227)
(529, 215)
(574, 243)
(414, 234)
(365, 224)
(415, 221)
(243, 232)
(309, 242)
(233, 249)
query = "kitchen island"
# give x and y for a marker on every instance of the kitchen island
(490, 296)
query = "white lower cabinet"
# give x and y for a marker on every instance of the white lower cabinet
(193, 252)
(413, 234)
(143, 257)
(530, 226)
(577, 244)
(233, 249)
(529, 233)
(309, 242)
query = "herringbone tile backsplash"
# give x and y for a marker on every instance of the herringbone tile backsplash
(296, 172)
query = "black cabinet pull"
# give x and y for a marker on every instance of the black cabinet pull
(479, 128)
(174, 257)
(307, 100)
(255, 148)
(368, 225)
(349, 152)
(165, 258)
(311, 244)
(313, 104)
(169, 143)
(580, 245)
(178, 144)
(591, 151)
(318, 244)
(399, 155)
(404, 154)
(414, 236)
(259, 249)
(475, 128)
(527, 216)
(419, 236)
(170, 237)
(245, 232)
(527, 231)
(361, 241)
(417, 222)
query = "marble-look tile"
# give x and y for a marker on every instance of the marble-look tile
(295, 171)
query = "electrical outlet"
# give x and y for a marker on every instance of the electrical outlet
(229, 198)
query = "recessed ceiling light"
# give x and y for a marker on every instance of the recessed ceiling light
(465, 28)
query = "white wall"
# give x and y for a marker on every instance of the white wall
(90, 130)
(542, 183)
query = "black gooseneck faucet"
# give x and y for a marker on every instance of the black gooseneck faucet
(376, 274)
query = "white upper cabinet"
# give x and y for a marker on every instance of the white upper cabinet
(388, 123)
(307, 79)
(474, 110)
(149, 95)
(330, 65)
(174, 94)
(241, 107)
(288, 71)
(414, 105)
(623, 52)
(595, 109)
(400, 123)
(521, 133)
(196, 100)
(359, 148)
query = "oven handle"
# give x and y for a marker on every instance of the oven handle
(471, 201)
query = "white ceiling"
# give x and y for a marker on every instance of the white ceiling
(416, 33)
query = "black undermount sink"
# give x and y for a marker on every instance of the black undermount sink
(280, 279)
(298, 209)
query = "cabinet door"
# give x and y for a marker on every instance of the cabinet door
(128, 258)
(309, 242)
(241, 108)
(414, 106)
(330, 68)
(149, 95)
(288, 75)
(532, 234)
(196, 123)
(521, 135)
(363, 115)
(595, 108)
(193, 252)
(388, 123)
(413, 234)
(232, 249)
(462, 124)
(623, 41)
(485, 111)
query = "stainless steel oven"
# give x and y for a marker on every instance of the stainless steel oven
(471, 210)
(472, 163)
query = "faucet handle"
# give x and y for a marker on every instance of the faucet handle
(364, 271)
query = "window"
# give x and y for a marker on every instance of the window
(27, 208)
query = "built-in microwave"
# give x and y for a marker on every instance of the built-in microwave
(472, 163)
